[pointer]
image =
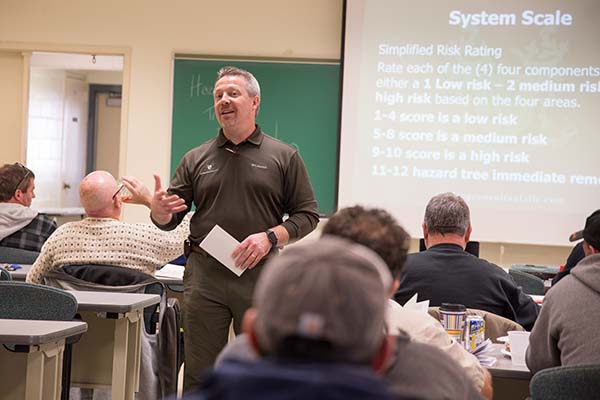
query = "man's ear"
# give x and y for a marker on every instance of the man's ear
(425, 234)
(382, 359)
(395, 286)
(468, 234)
(248, 327)
(118, 202)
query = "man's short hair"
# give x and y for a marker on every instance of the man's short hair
(252, 85)
(447, 213)
(324, 301)
(373, 228)
(12, 177)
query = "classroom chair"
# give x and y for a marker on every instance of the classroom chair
(566, 383)
(529, 283)
(5, 275)
(20, 300)
(495, 325)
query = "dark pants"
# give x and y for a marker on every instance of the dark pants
(212, 297)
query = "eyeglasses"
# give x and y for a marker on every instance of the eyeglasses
(27, 173)
(121, 186)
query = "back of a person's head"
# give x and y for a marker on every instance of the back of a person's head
(96, 193)
(322, 302)
(447, 213)
(591, 231)
(373, 228)
(12, 177)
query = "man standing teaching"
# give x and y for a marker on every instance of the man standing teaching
(244, 181)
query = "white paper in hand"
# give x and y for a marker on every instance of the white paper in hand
(220, 245)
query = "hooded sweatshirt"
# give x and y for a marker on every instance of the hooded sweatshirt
(13, 218)
(566, 330)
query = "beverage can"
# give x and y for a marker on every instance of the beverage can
(474, 332)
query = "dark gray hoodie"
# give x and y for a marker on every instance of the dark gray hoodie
(566, 331)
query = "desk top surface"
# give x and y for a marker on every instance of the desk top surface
(113, 301)
(504, 367)
(21, 273)
(29, 332)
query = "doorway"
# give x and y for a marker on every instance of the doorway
(61, 149)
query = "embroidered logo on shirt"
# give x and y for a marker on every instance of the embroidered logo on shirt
(258, 166)
(209, 169)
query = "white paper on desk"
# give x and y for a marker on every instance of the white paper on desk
(413, 304)
(220, 245)
(171, 271)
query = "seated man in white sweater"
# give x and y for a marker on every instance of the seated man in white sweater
(102, 238)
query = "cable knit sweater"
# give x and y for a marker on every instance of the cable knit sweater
(111, 242)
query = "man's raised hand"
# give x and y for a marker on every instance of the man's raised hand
(163, 205)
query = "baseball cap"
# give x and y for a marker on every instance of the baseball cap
(329, 290)
(591, 231)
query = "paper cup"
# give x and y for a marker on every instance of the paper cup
(519, 341)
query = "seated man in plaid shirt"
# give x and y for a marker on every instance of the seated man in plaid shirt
(20, 226)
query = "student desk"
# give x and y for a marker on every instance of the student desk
(109, 354)
(35, 371)
(509, 381)
(21, 273)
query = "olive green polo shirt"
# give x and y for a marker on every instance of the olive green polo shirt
(245, 188)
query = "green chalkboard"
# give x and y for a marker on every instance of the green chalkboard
(299, 105)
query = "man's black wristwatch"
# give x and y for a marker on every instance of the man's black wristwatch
(272, 237)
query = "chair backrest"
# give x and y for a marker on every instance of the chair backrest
(12, 255)
(5, 275)
(110, 278)
(472, 247)
(495, 325)
(20, 300)
(566, 383)
(529, 283)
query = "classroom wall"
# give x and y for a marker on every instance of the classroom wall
(11, 109)
(153, 31)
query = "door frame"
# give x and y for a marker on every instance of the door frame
(27, 48)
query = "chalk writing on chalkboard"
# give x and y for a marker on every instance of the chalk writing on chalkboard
(199, 88)
(300, 106)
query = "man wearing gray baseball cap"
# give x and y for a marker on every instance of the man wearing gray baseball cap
(318, 321)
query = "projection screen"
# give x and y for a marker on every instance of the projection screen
(498, 101)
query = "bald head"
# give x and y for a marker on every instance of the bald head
(96, 191)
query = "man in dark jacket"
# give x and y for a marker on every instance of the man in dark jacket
(446, 273)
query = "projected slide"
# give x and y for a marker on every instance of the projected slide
(498, 101)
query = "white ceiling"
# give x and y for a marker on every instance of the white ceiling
(76, 61)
